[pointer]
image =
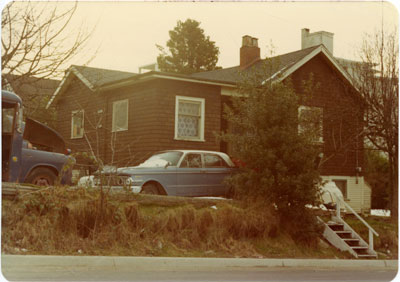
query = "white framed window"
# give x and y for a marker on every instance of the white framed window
(311, 122)
(189, 118)
(342, 185)
(77, 124)
(120, 115)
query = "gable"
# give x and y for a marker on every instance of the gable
(92, 78)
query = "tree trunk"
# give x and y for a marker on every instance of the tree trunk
(394, 180)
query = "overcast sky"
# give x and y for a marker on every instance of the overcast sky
(127, 32)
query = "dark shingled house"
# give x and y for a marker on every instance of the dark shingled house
(124, 117)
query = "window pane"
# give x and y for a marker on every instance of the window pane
(187, 108)
(214, 161)
(191, 161)
(342, 185)
(8, 117)
(120, 115)
(188, 126)
(311, 122)
(77, 124)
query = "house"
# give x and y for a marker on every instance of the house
(124, 117)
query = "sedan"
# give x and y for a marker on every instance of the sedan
(176, 173)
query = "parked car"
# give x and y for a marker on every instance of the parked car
(175, 172)
(31, 151)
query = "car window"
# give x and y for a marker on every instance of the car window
(214, 161)
(191, 161)
(172, 157)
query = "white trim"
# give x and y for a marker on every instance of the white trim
(114, 113)
(72, 123)
(202, 118)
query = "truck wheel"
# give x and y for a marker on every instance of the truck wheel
(42, 177)
(150, 189)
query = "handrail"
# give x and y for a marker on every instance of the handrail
(359, 217)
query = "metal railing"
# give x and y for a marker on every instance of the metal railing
(371, 231)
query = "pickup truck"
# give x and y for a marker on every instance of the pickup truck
(31, 151)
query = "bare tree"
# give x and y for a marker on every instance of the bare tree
(37, 45)
(377, 79)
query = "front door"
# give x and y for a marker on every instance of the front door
(191, 181)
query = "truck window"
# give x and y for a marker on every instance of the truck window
(7, 119)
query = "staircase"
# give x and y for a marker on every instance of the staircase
(342, 236)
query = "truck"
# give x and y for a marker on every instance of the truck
(31, 151)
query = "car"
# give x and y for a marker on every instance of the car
(174, 172)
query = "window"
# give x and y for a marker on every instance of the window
(191, 161)
(120, 116)
(77, 124)
(7, 119)
(189, 118)
(214, 161)
(342, 185)
(311, 122)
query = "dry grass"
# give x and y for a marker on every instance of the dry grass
(62, 222)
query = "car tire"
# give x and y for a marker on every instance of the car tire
(42, 177)
(150, 189)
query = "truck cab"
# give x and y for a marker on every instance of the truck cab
(31, 151)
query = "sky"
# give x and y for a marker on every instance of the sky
(126, 33)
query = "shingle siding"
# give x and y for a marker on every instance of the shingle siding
(151, 119)
(342, 115)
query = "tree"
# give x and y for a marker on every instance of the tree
(190, 50)
(279, 161)
(377, 175)
(36, 45)
(377, 79)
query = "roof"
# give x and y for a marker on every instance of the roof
(280, 62)
(104, 79)
(282, 66)
(98, 77)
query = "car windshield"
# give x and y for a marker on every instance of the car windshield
(162, 159)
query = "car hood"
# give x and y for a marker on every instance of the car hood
(38, 133)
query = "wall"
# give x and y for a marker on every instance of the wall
(151, 122)
(342, 116)
(77, 96)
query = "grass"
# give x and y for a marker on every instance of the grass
(77, 222)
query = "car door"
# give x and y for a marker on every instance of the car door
(190, 176)
(216, 169)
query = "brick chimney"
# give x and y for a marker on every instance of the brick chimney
(249, 52)
(316, 38)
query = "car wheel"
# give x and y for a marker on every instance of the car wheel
(42, 177)
(150, 189)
